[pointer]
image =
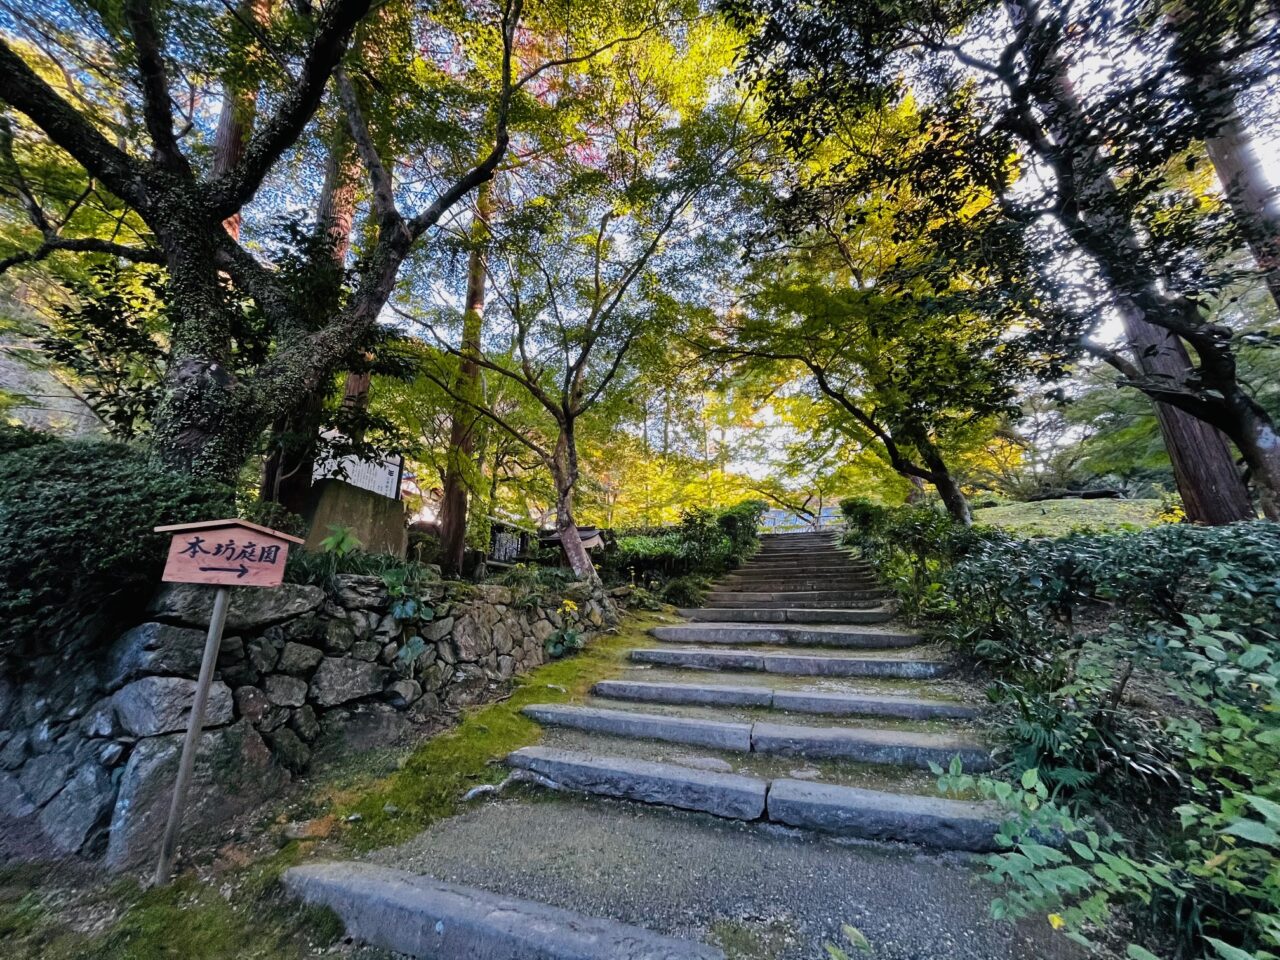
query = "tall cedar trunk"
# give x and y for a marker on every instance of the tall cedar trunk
(235, 121)
(1211, 487)
(458, 458)
(953, 497)
(287, 475)
(1254, 200)
(564, 470)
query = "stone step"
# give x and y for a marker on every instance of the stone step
(834, 571)
(861, 744)
(417, 916)
(826, 808)
(834, 635)
(867, 745)
(817, 562)
(786, 584)
(873, 815)
(724, 794)
(794, 597)
(625, 723)
(870, 603)
(786, 615)
(796, 701)
(818, 555)
(794, 664)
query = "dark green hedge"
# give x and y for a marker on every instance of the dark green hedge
(77, 549)
(704, 542)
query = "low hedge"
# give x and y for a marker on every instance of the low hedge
(77, 549)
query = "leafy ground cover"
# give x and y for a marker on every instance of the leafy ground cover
(230, 904)
(1136, 679)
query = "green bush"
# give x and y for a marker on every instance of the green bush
(686, 591)
(77, 549)
(1138, 675)
(16, 437)
(706, 542)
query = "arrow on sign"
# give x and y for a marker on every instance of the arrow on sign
(239, 571)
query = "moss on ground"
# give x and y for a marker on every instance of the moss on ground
(1056, 518)
(50, 912)
(433, 779)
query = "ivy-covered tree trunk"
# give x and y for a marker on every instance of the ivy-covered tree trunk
(459, 459)
(287, 474)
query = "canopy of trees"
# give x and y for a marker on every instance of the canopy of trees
(601, 263)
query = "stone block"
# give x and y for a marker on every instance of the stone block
(233, 773)
(421, 917)
(341, 680)
(626, 723)
(286, 691)
(378, 522)
(154, 648)
(191, 604)
(43, 776)
(77, 817)
(156, 705)
(722, 794)
(299, 658)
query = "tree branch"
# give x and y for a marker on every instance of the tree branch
(22, 89)
(384, 200)
(81, 245)
(154, 81)
(333, 33)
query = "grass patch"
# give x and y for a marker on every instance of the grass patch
(1056, 518)
(433, 779)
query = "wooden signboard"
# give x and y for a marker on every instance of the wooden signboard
(226, 553)
(223, 554)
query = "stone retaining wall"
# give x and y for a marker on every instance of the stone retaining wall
(89, 743)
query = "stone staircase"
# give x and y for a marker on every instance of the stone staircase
(837, 737)
(789, 707)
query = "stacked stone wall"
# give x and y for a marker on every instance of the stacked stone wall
(89, 741)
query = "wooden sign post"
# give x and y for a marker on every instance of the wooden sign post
(225, 554)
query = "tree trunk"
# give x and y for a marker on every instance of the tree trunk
(1211, 487)
(953, 497)
(287, 474)
(459, 459)
(235, 121)
(1260, 444)
(564, 470)
(1254, 199)
(1204, 468)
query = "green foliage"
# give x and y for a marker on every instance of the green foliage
(1138, 675)
(705, 542)
(17, 437)
(686, 591)
(76, 525)
(1056, 518)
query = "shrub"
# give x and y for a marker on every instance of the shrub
(707, 542)
(684, 591)
(1186, 767)
(17, 437)
(77, 547)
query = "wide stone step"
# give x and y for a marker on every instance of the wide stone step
(794, 597)
(786, 615)
(818, 562)
(827, 808)
(724, 794)
(794, 664)
(807, 635)
(785, 584)
(873, 815)
(417, 916)
(861, 744)
(624, 723)
(867, 745)
(796, 701)
(870, 603)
